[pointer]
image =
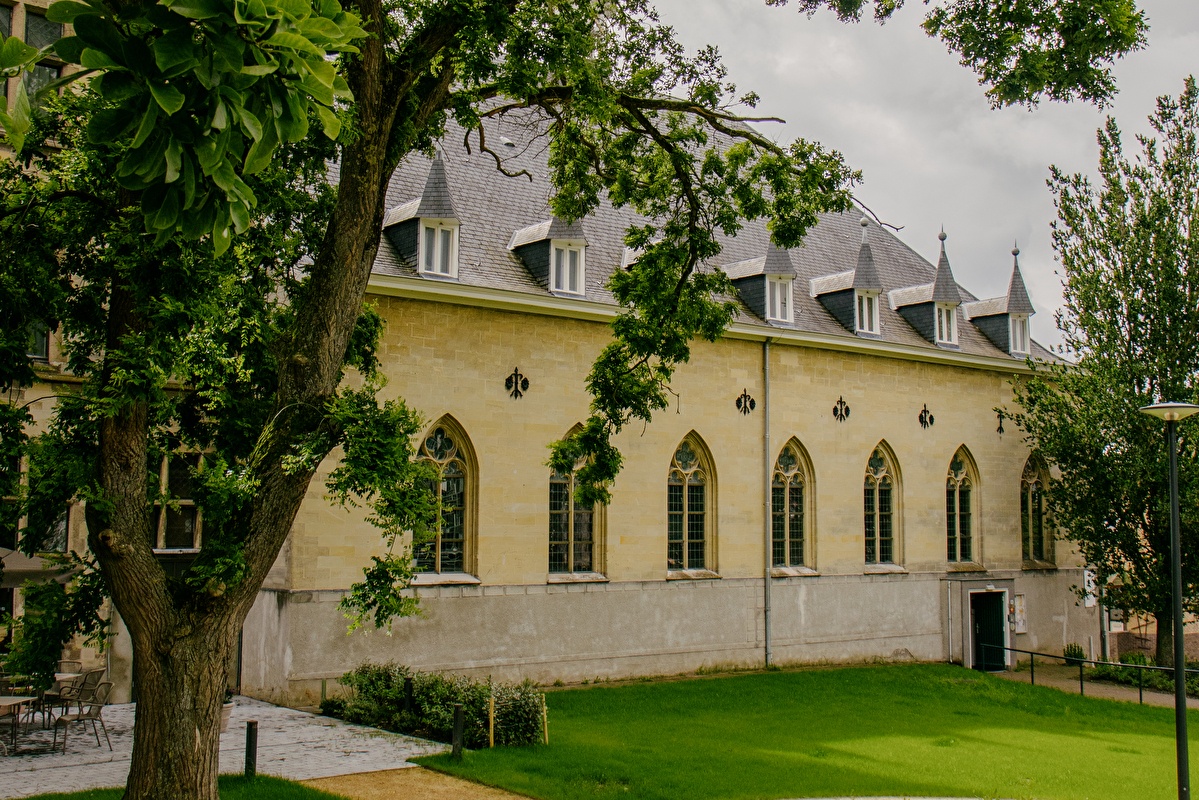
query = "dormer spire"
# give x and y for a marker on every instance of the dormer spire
(1018, 301)
(436, 201)
(945, 288)
(865, 275)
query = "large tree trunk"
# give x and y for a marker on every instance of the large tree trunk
(180, 684)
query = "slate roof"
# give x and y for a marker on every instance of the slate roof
(945, 288)
(1016, 301)
(553, 228)
(491, 207)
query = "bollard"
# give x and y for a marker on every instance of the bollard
(457, 741)
(251, 748)
(491, 721)
(1032, 668)
(1081, 691)
(1141, 685)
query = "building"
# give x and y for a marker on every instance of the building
(847, 426)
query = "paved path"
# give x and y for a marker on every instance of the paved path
(1060, 676)
(291, 744)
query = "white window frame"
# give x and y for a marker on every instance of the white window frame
(866, 304)
(437, 262)
(1019, 334)
(779, 305)
(561, 283)
(947, 324)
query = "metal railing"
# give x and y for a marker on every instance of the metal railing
(1082, 662)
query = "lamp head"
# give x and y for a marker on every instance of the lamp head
(1171, 412)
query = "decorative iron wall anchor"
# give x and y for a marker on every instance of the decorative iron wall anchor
(745, 403)
(926, 418)
(1001, 417)
(516, 384)
(841, 410)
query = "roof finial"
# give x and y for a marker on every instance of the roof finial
(942, 236)
(1015, 251)
(865, 223)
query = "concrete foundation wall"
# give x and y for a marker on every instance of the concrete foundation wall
(294, 640)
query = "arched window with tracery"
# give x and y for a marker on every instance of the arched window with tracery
(576, 530)
(789, 508)
(690, 507)
(878, 504)
(1036, 535)
(960, 501)
(450, 548)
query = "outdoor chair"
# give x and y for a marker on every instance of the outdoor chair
(82, 692)
(90, 712)
(57, 695)
(69, 666)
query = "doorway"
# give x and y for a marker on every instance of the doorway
(988, 625)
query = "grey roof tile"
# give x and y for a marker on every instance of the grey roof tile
(1018, 301)
(945, 288)
(436, 202)
(490, 206)
(778, 262)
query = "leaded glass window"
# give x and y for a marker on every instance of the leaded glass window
(878, 508)
(446, 550)
(177, 523)
(787, 510)
(687, 497)
(1037, 541)
(959, 510)
(572, 527)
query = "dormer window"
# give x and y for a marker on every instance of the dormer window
(947, 332)
(867, 312)
(569, 268)
(778, 300)
(1019, 333)
(439, 247)
(39, 342)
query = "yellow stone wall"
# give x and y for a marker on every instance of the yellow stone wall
(452, 359)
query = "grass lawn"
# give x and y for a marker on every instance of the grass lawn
(233, 787)
(931, 730)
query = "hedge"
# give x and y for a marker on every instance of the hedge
(1158, 680)
(396, 698)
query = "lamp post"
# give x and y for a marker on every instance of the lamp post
(1171, 413)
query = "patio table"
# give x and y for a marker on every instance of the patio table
(14, 706)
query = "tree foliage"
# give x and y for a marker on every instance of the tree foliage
(1129, 248)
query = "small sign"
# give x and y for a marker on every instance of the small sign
(1020, 614)
(1089, 599)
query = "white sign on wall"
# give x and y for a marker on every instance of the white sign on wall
(1089, 600)
(1019, 614)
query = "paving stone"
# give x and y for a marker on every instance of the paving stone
(291, 744)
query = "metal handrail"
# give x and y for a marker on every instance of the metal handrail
(1082, 662)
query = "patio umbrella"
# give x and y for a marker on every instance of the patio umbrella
(19, 568)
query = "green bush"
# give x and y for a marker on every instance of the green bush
(1157, 680)
(396, 698)
(1074, 654)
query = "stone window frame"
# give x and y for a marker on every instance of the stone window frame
(463, 453)
(595, 570)
(1034, 515)
(691, 459)
(800, 467)
(882, 472)
(430, 259)
(962, 474)
(174, 504)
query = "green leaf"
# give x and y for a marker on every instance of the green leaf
(259, 69)
(167, 96)
(174, 154)
(296, 42)
(175, 52)
(91, 58)
(16, 53)
(250, 123)
(146, 127)
(221, 235)
(320, 28)
(259, 154)
(69, 49)
(320, 92)
(198, 9)
(329, 121)
(17, 124)
(108, 124)
(65, 11)
(116, 87)
(97, 32)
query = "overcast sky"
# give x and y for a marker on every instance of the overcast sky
(901, 109)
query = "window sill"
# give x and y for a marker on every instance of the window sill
(692, 575)
(576, 577)
(792, 572)
(438, 276)
(869, 334)
(444, 579)
(176, 551)
(967, 566)
(569, 295)
(885, 569)
(1036, 564)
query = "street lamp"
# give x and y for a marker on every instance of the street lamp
(1171, 413)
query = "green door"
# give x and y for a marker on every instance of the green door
(987, 621)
